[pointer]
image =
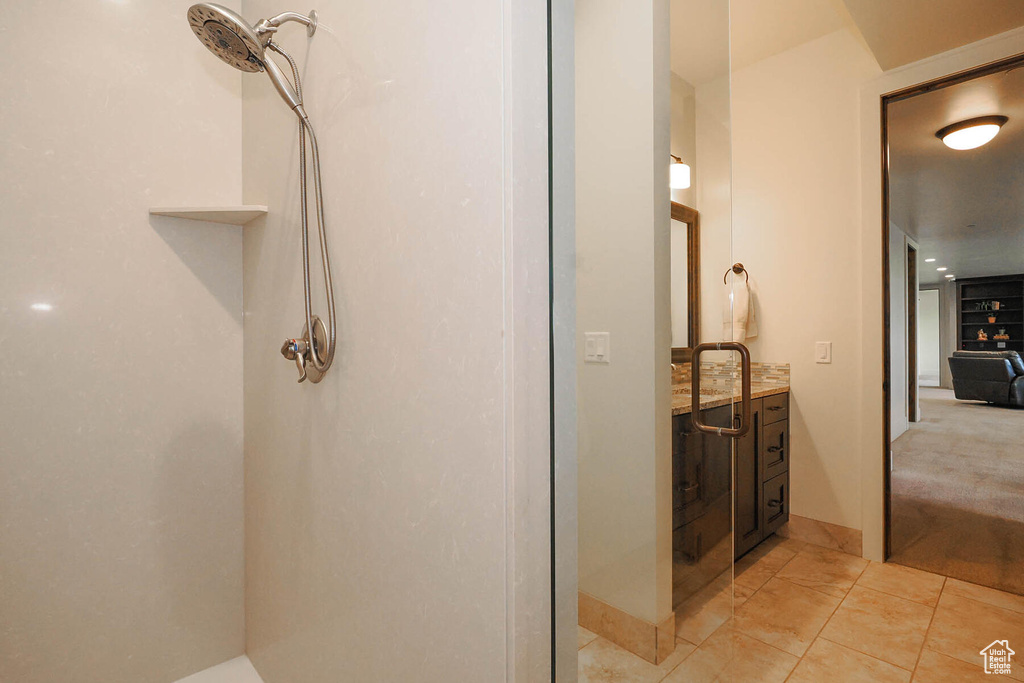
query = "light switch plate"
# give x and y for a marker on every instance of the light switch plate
(597, 347)
(823, 352)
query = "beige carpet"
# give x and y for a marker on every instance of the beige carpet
(958, 492)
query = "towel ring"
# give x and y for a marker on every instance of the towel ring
(736, 268)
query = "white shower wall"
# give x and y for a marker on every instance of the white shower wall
(121, 557)
(376, 500)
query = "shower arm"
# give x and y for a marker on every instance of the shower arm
(266, 28)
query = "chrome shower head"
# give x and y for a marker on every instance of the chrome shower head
(243, 46)
(227, 35)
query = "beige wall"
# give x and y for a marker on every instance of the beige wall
(796, 166)
(622, 228)
(121, 410)
(385, 506)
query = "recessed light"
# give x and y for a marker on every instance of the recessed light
(942, 269)
(929, 260)
(41, 307)
(951, 276)
(971, 133)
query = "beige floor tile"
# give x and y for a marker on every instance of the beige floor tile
(741, 594)
(828, 571)
(828, 661)
(584, 637)
(604, 662)
(701, 615)
(732, 656)
(938, 668)
(903, 582)
(755, 568)
(990, 596)
(962, 627)
(881, 625)
(785, 615)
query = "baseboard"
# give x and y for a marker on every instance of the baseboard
(644, 639)
(824, 534)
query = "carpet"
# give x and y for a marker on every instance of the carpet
(958, 492)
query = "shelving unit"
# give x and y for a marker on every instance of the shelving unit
(972, 294)
(230, 215)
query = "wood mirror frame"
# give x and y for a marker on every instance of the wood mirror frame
(684, 214)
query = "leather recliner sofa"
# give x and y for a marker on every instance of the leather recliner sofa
(991, 376)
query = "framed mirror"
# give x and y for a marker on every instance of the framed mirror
(685, 246)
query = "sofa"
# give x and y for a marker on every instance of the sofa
(990, 376)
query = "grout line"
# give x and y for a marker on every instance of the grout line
(927, 631)
(866, 654)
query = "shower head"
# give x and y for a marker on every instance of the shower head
(227, 35)
(243, 46)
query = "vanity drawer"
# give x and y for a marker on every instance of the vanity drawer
(775, 453)
(776, 408)
(776, 502)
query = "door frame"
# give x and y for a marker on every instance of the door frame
(1016, 59)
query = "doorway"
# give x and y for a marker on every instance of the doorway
(952, 244)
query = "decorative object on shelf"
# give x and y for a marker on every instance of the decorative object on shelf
(1001, 337)
(991, 319)
(982, 335)
(995, 305)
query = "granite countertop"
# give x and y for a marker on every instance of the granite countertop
(719, 394)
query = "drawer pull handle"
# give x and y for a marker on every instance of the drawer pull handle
(774, 449)
(775, 503)
(774, 407)
(690, 489)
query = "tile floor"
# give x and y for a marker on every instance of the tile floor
(804, 614)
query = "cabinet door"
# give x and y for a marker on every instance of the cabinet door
(688, 485)
(748, 521)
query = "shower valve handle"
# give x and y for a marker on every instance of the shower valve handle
(296, 350)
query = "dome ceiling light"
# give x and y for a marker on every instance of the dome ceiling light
(971, 133)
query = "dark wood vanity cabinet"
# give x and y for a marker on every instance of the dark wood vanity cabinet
(762, 473)
(702, 499)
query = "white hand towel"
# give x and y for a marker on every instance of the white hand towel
(739, 321)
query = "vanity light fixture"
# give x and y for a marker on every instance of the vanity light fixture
(942, 269)
(971, 133)
(679, 174)
(929, 260)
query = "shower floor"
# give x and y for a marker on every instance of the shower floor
(238, 670)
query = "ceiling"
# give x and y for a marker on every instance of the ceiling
(903, 31)
(965, 208)
(759, 29)
(897, 32)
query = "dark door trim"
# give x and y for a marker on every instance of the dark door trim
(911, 333)
(895, 96)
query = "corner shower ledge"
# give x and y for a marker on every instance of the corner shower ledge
(232, 215)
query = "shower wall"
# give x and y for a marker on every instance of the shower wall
(121, 557)
(376, 538)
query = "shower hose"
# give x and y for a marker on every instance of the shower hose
(319, 358)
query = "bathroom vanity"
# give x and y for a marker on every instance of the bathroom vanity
(704, 508)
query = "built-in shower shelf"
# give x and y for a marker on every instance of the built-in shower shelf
(232, 215)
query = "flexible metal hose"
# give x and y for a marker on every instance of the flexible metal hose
(320, 363)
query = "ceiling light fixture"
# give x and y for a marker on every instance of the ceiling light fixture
(971, 133)
(951, 276)
(943, 268)
(929, 260)
(679, 174)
